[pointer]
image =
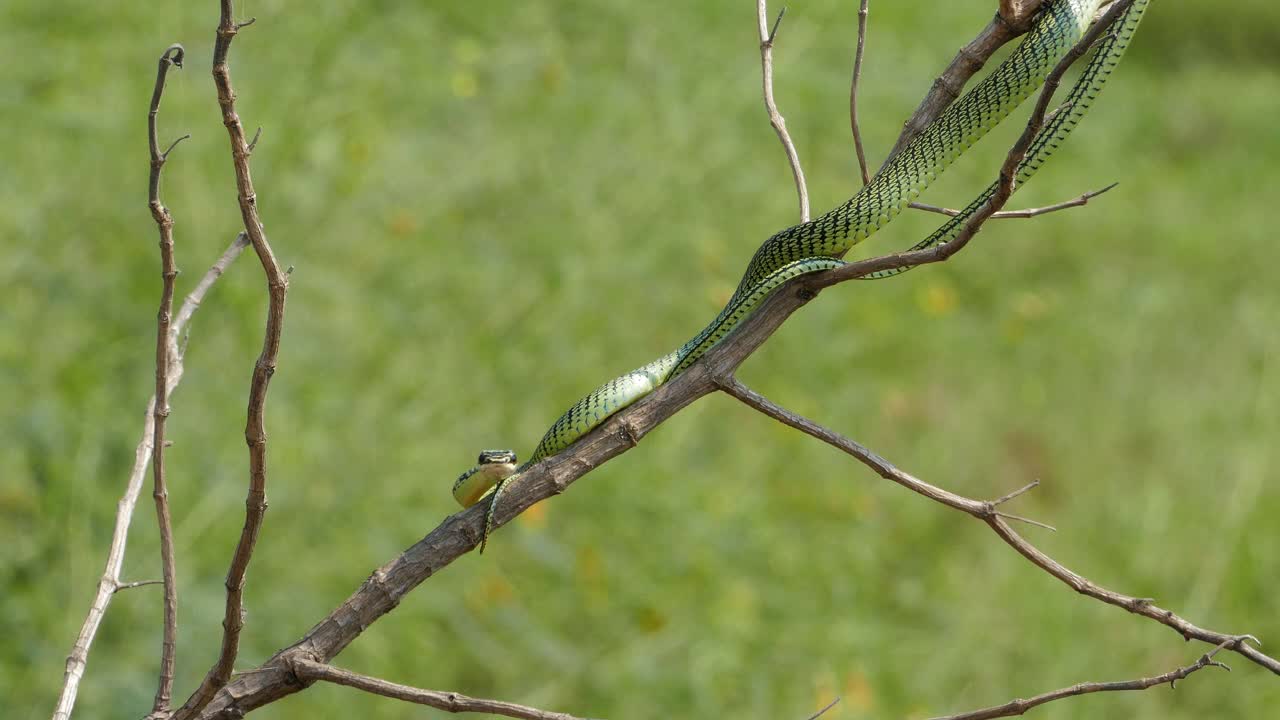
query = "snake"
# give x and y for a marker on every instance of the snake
(819, 244)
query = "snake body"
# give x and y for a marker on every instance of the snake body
(818, 244)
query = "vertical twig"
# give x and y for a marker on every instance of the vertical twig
(255, 428)
(767, 36)
(109, 583)
(853, 92)
(160, 408)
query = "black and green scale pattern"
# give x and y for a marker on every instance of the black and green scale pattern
(817, 245)
(962, 124)
(1107, 54)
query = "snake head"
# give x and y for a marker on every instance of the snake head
(493, 467)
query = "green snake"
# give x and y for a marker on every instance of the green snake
(819, 244)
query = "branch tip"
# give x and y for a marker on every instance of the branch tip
(174, 54)
(1016, 493)
(778, 21)
(1026, 520)
(824, 710)
(165, 155)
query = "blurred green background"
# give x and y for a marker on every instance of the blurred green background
(494, 206)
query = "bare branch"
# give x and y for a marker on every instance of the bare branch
(137, 584)
(948, 86)
(853, 92)
(1020, 706)
(1078, 201)
(767, 37)
(824, 710)
(255, 426)
(310, 671)
(172, 56)
(110, 583)
(987, 512)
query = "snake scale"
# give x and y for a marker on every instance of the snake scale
(818, 244)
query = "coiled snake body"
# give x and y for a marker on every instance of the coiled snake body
(817, 245)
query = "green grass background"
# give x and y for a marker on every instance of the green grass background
(494, 206)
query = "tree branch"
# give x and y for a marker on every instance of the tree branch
(767, 37)
(310, 671)
(988, 512)
(1020, 706)
(1078, 201)
(255, 427)
(110, 583)
(853, 92)
(160, 408)
(968, 61)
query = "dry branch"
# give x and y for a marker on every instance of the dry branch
(453, 702)
(1078, 201)
(255, 426)
(110, 582)
(767, 36)
(863, 9)
(1021, 706)
(160, 408)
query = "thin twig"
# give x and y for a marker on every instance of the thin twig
(986, 512)
(172, 57)
(137, 584)
(767, 37)
(824, 710)
(110, 580)
(1020, 706)
(853, 92)
(1078, 201)
(255, 425)
(310, 671)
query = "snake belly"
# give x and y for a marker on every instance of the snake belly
(818, 244)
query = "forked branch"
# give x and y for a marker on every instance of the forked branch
(109, 584)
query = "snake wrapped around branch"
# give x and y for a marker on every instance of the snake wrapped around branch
(819, 244)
